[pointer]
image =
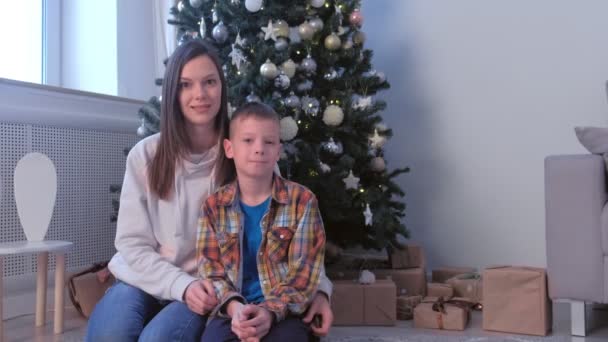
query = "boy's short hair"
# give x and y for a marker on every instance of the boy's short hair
(256, 110)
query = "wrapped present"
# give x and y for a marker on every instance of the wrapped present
(342, 274)
(409, 282)
(436, 313)
(406, 305)
(439, 290)
(411, 256)
(515, 300)
(356, 304)
(468, 285)
(440, 275)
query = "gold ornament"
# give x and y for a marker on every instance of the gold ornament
(281, 28)
(306, 31)
(332, 42)
(289, 68)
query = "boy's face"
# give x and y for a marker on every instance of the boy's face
(254, 145)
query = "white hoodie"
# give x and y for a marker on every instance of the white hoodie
(156, 239)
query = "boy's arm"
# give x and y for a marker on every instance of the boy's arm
(209, 258)
(305, 262)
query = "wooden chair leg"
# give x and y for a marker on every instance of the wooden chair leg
(41, 279)
(59, 289)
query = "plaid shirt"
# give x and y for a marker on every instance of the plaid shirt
(291, 252)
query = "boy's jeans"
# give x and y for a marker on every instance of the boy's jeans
(126, 313)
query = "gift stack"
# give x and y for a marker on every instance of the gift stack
(406, 273)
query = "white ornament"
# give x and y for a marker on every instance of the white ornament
(237, 57)
(238, 40)
(378, 164)
(366, 277)
(235, 2)
(289, 128)
(333, 115)
(253, 5)
(377, 140)
(317, 3)
(324, 167)
(369, 216)
(269, 70)
(363, 103)
(351, 182)
(269, 31)
(196, 3)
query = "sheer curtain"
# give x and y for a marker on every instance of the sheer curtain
(164, 34)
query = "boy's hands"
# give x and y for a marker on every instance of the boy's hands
(250, 323)
(200, 296)
(319, 306)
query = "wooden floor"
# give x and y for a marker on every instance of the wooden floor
(21, 329)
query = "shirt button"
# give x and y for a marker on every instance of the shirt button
(264, 282)
(261, 253)
(282, 236)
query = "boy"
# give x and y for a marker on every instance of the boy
(261, 239)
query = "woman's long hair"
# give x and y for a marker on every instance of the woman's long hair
(174, 144)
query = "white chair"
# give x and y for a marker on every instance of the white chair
(35, 187)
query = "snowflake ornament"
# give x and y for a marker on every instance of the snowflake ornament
(237, 57)
(363, 103)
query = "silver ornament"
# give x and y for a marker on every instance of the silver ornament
(304, 86)
(317, 3)
(196, 3)
(309, 65)
(310, 105)
(220, 33)
(331, 74)
(377, 164)
(292, 101)
(332, 147)
(269, 70)
(281, 44)
(316, 23)
(282, 81)
(253, 98)
(253, 5)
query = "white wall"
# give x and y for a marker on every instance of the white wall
(481, 92)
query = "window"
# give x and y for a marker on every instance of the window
(21, 40)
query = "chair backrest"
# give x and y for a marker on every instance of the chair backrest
(35, 184)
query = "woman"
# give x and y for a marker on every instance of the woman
(167, 178)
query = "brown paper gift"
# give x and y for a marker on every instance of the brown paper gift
(441, 274)
(409, 282)
(356, 304)
(469, 285)
(439, 290)
(438, 314)
(87, 287)
(515, 300)
(406, 305)
(341, 274)
(410, 256)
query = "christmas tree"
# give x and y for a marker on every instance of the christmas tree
(306, 58)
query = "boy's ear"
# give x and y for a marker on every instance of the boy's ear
(228, 148)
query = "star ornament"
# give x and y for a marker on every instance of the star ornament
(363, 103)
(351, 182)
(269, 31)
(369, 216)
(376, 140)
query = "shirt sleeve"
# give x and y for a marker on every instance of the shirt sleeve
(135, 239)
(209, 258)
(305, 262)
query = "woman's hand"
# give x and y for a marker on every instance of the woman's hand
(200, 297)
(319, 306)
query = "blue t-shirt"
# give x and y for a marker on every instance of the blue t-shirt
(252, 290)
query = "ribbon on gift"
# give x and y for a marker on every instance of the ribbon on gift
(439, 306)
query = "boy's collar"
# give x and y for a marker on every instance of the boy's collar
(229, 193)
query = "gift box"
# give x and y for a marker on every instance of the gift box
(409, 282)
(468, 285)
(406, 305)
(411, 256)
(440, 275)
(342, 274)
(439, 314)
(515, 300)
(439, 290)
(356, 304)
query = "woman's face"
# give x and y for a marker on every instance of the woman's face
(200, 92)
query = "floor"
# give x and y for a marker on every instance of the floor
(22, 328)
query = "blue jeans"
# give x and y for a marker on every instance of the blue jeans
(126, 313)
(291, 329)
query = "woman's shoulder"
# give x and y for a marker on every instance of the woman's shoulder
(145, 149)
